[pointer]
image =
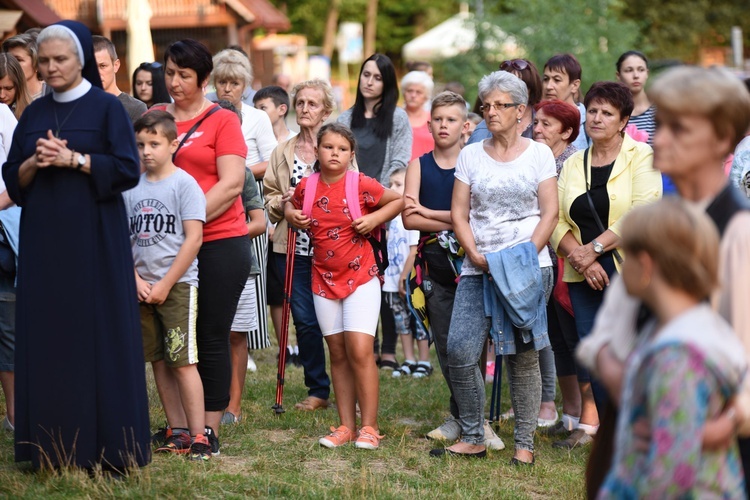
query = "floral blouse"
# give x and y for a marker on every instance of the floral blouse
(677, 386)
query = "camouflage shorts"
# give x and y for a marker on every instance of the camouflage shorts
(169, 328)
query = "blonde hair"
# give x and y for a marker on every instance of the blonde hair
(714, 93)
(232, 64)
(329, 101)
(682, 241)
(448, 98)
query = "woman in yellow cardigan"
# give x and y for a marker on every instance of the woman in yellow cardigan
(596, 188)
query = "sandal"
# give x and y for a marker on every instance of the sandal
(422, 371)
(387, 364)
(406, 368)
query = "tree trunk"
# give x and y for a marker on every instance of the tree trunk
(329, 38)
(371, 25)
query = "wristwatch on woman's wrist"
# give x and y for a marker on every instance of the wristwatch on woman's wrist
(81, 161)
(598, 247)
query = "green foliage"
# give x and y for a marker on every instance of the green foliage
(398, 20)
(675, 29)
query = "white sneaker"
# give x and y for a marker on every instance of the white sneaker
(251, 366)
(491, 440)
(7, 425)
(449, 431)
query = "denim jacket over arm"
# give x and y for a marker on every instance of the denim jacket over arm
(514, 297)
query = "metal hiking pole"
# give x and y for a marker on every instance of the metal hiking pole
(291, 243)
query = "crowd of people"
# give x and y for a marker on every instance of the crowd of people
(170, 214)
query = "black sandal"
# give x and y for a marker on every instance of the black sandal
(387, 364)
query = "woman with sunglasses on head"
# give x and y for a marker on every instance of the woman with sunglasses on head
(504, 209)
(13, 85)
(527, 72)
(382, 130)
(148, 84)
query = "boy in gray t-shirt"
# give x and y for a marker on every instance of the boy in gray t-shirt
(166, 211)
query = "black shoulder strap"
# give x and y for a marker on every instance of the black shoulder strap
(194, 128)
(726, 204)
(591, 202)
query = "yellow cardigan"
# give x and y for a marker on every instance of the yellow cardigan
(633, 182)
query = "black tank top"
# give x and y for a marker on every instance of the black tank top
(436, 186)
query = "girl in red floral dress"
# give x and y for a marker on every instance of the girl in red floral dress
(346, 287)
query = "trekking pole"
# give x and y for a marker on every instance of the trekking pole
(291, 243)
(497, 386)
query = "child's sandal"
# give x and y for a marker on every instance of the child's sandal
(422, 371)
(405, 369)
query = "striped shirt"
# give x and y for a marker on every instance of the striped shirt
(646, 123)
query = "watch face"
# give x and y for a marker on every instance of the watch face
(81, 160)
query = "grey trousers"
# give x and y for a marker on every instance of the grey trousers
(468, 331)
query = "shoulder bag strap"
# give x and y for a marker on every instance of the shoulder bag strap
(310, 189)
(591, 202)
(194, 128)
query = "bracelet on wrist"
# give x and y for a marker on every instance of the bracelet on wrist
(72, 158)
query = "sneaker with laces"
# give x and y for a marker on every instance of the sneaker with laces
(160, 437)
(200, 449)
(368, 439)
(213, 441)
(577, 438)
(449, 431)
(176, 443)
(338, 437)
(491, 440)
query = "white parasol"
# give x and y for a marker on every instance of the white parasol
(140, 45)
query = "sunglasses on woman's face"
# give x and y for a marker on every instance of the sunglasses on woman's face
(516, 64)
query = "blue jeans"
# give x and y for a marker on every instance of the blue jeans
(586, 303)
(469, 328)
(312, 353)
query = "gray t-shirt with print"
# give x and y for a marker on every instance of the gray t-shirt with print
(156, 211)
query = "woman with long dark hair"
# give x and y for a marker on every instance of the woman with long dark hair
(148, 84)
(382, 130)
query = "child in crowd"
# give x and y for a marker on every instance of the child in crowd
(167, 210)
(346, 288)
(275, 102)
(402, 248)
(427, 193)
(473, 120)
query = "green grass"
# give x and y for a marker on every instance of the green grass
(266, 455)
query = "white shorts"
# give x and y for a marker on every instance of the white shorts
(358, 312)
(246, 317)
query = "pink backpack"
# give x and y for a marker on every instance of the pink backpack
(377, 237)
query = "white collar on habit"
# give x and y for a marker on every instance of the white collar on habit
(74, 93)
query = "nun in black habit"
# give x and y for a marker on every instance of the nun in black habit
(80, 382)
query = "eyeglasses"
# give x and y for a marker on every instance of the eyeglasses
(516, 64)
(499, 106)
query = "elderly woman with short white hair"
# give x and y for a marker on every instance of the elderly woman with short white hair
(504, 209)
(417, 87)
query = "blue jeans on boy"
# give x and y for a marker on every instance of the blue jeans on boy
(312, 353)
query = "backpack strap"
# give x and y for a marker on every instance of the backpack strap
(310, 189)
(351, 191)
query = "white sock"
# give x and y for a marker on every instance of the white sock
(296, 349)
(588, 429)
(570, 422)
(425, 363)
